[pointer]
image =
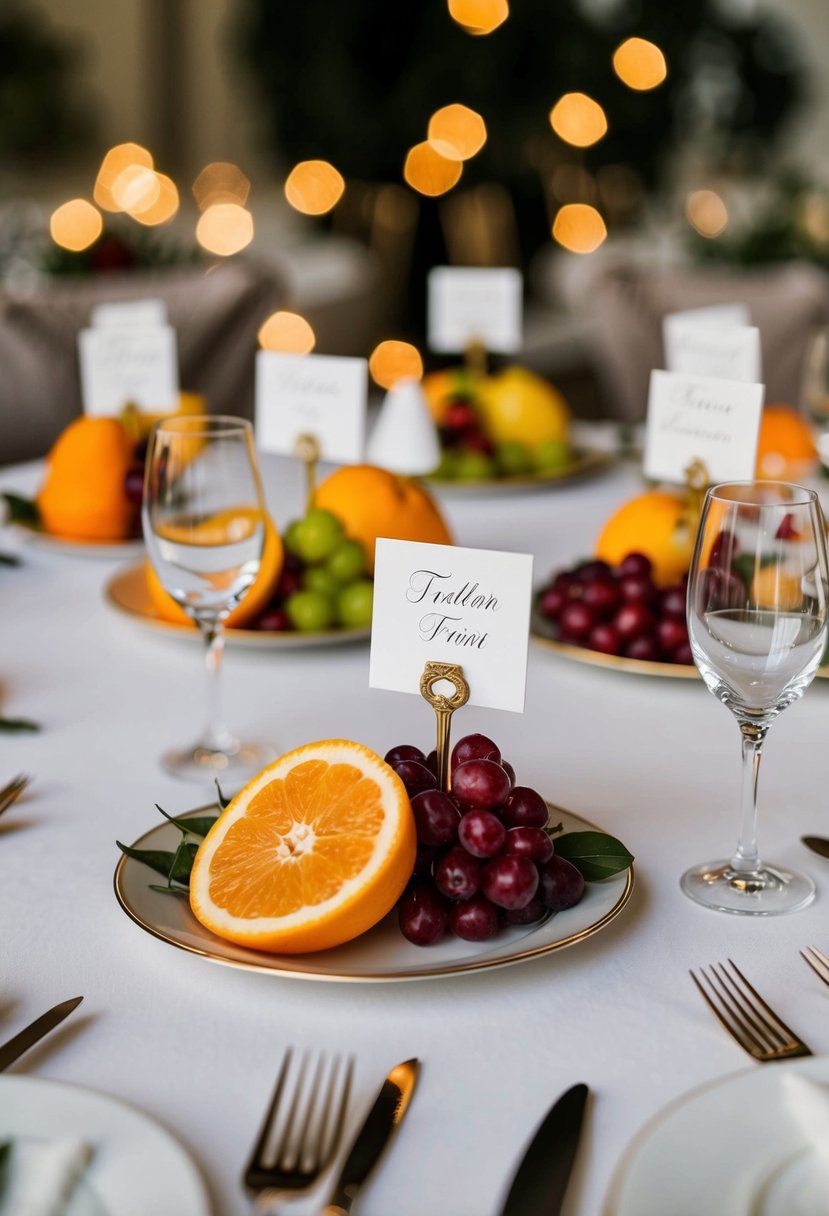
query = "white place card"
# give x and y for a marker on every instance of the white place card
(144, 313)
(443, 604)
(717, 341)
(317, 395)
(474, 304)
(702, 418)
(120, 365)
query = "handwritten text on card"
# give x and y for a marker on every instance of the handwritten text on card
(316, 395)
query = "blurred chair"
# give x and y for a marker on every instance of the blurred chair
(627, 299)
(215, 312)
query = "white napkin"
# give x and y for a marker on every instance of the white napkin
(41, 1175)
(808, 1104)
(404, 439)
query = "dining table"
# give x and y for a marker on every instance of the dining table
(196, 1046)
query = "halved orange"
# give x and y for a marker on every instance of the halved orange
(311, 853)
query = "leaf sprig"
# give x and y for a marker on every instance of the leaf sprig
(175, 864)
(595, 854)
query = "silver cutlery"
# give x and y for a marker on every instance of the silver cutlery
(818, 844)
(741, 1011)
(11, 792)
(41, 1026)
(818, 961)
(540, 1182)
(302, 1128)
(386, 1114)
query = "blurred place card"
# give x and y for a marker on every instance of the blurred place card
(137, 365)
(712, 342)
(442, 604)
(317, 395)
(701, 418)
(143, 313)
(472, 304)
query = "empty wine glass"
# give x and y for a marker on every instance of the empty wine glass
(757, 620)
(814, 390)
(204, 516)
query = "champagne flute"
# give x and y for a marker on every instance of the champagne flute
(757, 620)
(203, 516)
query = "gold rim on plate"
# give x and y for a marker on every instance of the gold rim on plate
(126, 591)
(586, 463)
(193, 938)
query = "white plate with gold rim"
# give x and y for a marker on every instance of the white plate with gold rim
(127, 592)
(584, 463)
(382, 954)
(136, 1168)
(120, 550)
(729, 1148)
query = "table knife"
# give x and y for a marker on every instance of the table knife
(39, 1027)
(388, 1110)
(818, 844)
(541, 1179)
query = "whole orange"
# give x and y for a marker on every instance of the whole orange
(256, 597)
(655, 524)
(372, 502)
(785, 447)
(82, 496)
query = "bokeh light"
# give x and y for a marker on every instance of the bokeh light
(456, 132)
(135, 189)
(430, 173)
(578, 120)
(391, 361)
(479, 16)
(579, 228)
(224, 229)
(165, 205)
(76, 225)
(287, 332)
(639, 64)
(314, 187)
(115, 162)
(706, 212)
(221, 182)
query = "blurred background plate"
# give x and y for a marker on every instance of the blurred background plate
(127, 593)
(585, 463)
(121, 550)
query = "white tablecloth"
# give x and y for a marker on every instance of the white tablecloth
(195, 1045)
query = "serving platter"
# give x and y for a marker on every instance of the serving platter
(121, 550)
(585, 463)
(127, 592)
(382, 954)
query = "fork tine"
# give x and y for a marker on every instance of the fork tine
(11, 792)
(776, 1020)
(328, 1148)
(715, 1009)
(764, 1033)
(745, 1015)
(730, 1014)
(818, 961)
(258, 1152)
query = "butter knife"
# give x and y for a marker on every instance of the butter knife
(27, 1038)
(540, 1181)
(818, 844)
(389, 1107)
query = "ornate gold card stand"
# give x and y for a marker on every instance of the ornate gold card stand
(307, 449)
(475, 358)
(444, 707)
(697, 481)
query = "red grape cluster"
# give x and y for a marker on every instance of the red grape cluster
(619, 612)
(484, 858)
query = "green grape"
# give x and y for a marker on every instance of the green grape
(290, 537)
(513, 458)
(551, 455)
(347, 562)
(317, 535)
(320, 578)
(474, 466)
(355, 602)
(309, 611)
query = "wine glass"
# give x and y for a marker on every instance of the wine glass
(757, 620)
(203, 516)
(814, 390)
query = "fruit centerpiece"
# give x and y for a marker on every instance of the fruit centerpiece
(510, 424)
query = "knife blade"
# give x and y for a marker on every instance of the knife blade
(27, 1038)
(540, 1182)
(388, 1110)
(818, 844)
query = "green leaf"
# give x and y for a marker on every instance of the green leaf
(175, 866)
(220, 798)
(17, 726)
(744, 566)
(595, 854)
(181, 892)
(200, 825)
(22, 510)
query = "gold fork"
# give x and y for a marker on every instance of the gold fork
(818, 961)
(740, 1010)
(11, 792)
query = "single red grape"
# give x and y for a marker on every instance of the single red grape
(532, 911)
(551, 602)
(671, 634)
(425, 858)
(604, 637)
(637, 589)
(404, 751)
(422, 914)
(633, 620)
(272, 620)
(457, 874)
(672, 602)
(602, 596)
(589, 572)
(525, 808)
(683, 654)
(576, 621)
(565, 581)
(533, 843)
(480, 783)
(509, 770)
(134, 484)
(432, 762)
(509, 881)
(289, 582)
(561, 885)
(474, 747)
(635, 563)
(474, 920)
(642, 648)
(481, 833)
(436, 818)
(415, 776)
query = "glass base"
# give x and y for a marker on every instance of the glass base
(231, 766)
(767, 891)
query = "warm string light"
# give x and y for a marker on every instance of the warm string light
(76, 225)
(165, 205)
(426, 171)
(578, 120)
(220, 182)
(314, 187)
(639, 64)
(579, 228)
(479, 16)
(456, 132)
(224, 229)
(288, 333)
(706, 212)
(392, 360)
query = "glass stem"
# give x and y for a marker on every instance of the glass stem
(747, 859)
(216, 735)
